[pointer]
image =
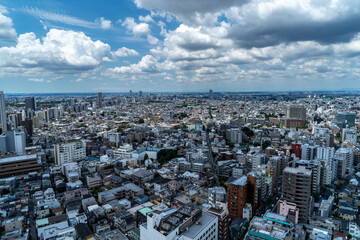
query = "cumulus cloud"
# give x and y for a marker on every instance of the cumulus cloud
(148, 64)
(124, 52)
(146, 18)
(6, 25)
(59, 50)
(136, 28)
(267, 23)
(188, 11)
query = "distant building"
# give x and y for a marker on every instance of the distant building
(3, 122)
(100, 100)
(295, 116)
(346, 119)
(30, 103)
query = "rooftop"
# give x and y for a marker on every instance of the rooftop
(298, 170)
(240, 181)
(18, 158)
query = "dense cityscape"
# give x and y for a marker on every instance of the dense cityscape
(180, 120)
(211, 165)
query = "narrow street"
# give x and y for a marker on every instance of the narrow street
(32, 224)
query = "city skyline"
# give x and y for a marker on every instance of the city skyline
(165, 46)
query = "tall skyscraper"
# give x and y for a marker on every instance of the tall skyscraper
(296, 189)
(130, 93)
(2, 112)
(30, 103)
(140, 93)
(100, 100)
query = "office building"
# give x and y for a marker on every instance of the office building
(69, 152)
(296, 189)
(30, 103)
(3, 121)
(18, 165)
(15, 141)
(100, 100)
(346, 119)
(140, 93)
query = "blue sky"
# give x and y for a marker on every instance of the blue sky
(170, 45)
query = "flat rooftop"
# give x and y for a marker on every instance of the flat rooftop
(196, 229)
(298, 170)
(18, 158)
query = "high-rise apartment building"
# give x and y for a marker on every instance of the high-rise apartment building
(69, 152)
(296, 112)
(308, 152)
(237, 196)
(3, 121)
(30, 103)
(220, 210)
(296, 188)
(295, 116)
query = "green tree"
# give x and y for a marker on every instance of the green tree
(146, 156)
(165, 155)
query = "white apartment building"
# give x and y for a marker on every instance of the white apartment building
(182, 224)
(124, 151)
(354, 230)
(69, 152)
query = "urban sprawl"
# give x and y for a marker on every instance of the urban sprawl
(180, 166)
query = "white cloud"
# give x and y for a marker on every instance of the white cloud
(152, 40)
(105, 24)
(148, 64)
(124, 52)
(59, 50)
(136, 28)
(187, 11)
(36, 80)
(68, 20)
(147, 18)
(6, 25)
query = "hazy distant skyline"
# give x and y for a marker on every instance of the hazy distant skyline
(169, 45)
